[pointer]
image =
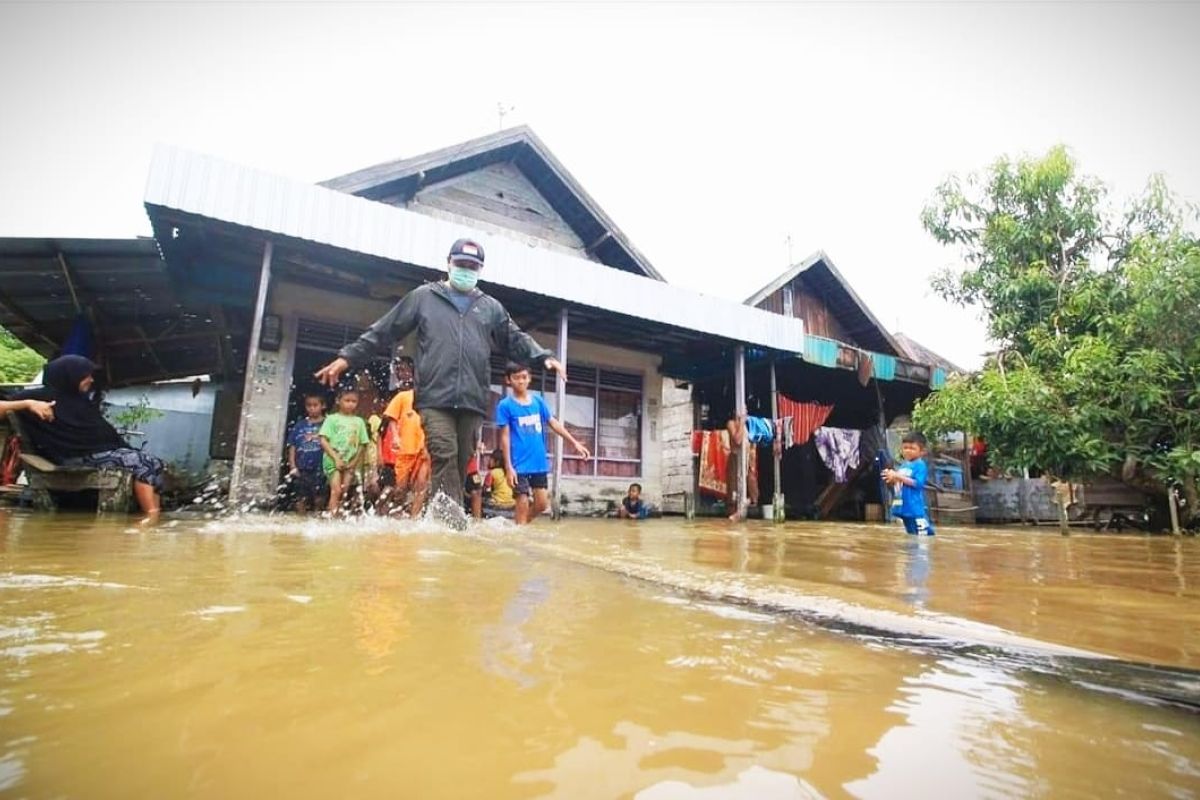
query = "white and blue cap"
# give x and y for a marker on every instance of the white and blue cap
(467, 250)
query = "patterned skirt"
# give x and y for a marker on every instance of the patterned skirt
(143, 466)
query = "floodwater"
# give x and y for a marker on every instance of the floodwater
(287, 657)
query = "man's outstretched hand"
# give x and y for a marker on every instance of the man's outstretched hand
(329, 374)
(556, 365)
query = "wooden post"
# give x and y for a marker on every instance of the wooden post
(1062, 496)
(560, 396)
(1173, 507)
(886, 493)
(260, 308)
(776, 452)
(739, 400)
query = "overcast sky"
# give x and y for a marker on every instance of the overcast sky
(710, 132)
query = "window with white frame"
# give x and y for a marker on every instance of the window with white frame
(603, 410)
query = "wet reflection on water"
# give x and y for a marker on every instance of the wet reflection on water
(587, 659)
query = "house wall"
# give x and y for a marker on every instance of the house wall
(272, 376)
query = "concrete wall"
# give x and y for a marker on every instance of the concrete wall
(676, 420)
(265, 415)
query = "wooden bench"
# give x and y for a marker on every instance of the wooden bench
(114, 487)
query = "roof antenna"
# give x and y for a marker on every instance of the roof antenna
(501, 110)
(788, 242)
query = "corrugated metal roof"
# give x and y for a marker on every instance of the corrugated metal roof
(209, 187)
(140, 322)
(923, 355)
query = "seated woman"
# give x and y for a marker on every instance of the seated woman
(77, 433)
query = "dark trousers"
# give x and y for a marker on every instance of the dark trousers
(450, 436)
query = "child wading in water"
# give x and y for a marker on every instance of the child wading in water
(909, 480)
(343, 438)
(305, 454)
(520, 419)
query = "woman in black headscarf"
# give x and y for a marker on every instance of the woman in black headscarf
(79, 434)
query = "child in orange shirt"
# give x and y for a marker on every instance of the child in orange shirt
(404, 461)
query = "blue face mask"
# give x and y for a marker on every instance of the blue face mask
(463, 278)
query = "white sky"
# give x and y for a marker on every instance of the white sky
(708, 131)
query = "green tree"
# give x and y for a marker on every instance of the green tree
(1095, 314)
(18, 364)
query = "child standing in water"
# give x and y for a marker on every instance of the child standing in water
(520, 419)
(343, 438)
(402, 444)
(304, 455)
(909, 480)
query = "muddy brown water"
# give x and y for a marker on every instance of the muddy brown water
(663, 659)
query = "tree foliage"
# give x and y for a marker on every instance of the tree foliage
(18, 364)
(1096, 315)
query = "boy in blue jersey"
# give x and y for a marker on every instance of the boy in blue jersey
(304, 455)
(909, 480)
(522, 419)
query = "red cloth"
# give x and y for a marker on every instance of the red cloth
(807, 417)
(713, 464)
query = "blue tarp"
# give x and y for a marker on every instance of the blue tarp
(885, 366)
(819, 350)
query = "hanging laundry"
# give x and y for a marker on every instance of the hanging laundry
(784, 437)
(713, 463)
(806, 417)
(759, 430)
(838, 448)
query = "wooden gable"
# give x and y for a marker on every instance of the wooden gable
(816, 292)
(808, 304)
(508, 182)
(497, 196)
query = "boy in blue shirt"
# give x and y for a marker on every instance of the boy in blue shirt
(909, 480)
(304, 455)
(521, 419)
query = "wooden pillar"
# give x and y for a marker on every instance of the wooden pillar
(260, 308)
(560, 395)
(1173, 507)
(739, 400)
(776, 451)
(885, 492)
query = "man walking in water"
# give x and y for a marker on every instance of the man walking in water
(457, 326)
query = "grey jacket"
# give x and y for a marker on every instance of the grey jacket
(453, 349)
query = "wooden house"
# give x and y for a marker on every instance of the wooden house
(849, 363)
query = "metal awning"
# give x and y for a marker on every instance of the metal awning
(141, 325)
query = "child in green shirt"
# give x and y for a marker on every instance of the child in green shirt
(344, 439)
